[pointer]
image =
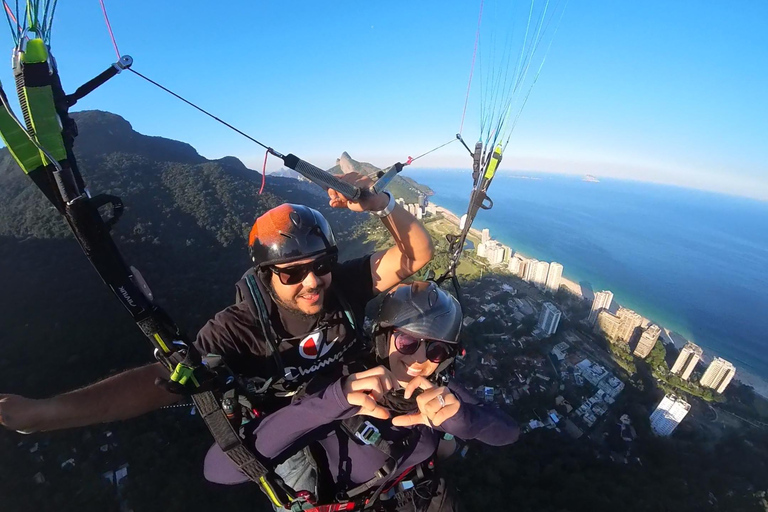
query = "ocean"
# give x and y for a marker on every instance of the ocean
(694, 262)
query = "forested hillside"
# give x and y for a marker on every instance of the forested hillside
(185, 225)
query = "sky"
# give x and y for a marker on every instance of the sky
(660, 91)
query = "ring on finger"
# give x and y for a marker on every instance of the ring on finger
(441, 400)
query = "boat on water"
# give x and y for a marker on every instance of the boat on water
(589, 178)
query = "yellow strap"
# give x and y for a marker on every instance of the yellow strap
(160, 342)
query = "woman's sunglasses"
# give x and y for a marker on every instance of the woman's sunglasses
(437, 351)
(297, 273)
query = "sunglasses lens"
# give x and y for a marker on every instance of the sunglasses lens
(295, 275)
(437, 351)
(324, 266)
(406, 344)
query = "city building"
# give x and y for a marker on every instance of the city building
(618, 328)
(602, 301)
(514, 265)
(560, 350)
(549, 319)
(647, 341)
(493, 251)
(630, 323)
(554, 276)
(668, 415)
(530, 269)
(486, 235)
(593, 372)
(718, 375)
(687, 360)
(539, 274)
(607, 324)
(523, 267)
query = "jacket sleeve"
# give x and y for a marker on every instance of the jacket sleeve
(284, 427)
(473, 421)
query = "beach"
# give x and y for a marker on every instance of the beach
(669, 332)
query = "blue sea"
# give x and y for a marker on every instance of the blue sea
(694, 262)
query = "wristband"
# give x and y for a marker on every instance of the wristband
(387, 209)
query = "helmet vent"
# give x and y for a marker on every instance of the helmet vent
(295, 218)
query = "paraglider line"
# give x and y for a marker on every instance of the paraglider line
(428, 152)
(264, 172)
(269, 150)
(472, 69)
(109, 27)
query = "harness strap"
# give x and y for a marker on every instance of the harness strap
(262, 316)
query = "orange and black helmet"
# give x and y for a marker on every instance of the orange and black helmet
(290, 232)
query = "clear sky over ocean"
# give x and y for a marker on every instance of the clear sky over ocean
(671, 92)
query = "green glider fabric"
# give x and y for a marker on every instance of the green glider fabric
(39, 101)
(23, 151)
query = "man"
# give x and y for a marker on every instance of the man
(304, 310)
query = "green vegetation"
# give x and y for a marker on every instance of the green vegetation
(623, 357)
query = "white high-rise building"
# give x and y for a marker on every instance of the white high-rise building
(486, 235)
(493, 251)
(539, 276)
(523, 268)
(602, 301)
(668, 415)
(549, 319)
(630, 322)
(647, 341)
(530, 269)
(687, 360)
(554, 276)
(514, 265)
(496, 254)
(718, 375)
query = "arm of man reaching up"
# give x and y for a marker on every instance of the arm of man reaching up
(413, 245)
(120, 397)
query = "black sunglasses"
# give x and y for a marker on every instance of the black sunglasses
(297, 273)
(437, 351)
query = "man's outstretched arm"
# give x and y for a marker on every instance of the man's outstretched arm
(413, 245)
(120, 397)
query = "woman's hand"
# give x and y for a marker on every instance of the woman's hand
(435, 405)
(364, 389)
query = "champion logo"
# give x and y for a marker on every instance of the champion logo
(308, 348)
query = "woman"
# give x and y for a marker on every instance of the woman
(382, 426)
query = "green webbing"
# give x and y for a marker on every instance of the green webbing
(45, 121)
(23, 151)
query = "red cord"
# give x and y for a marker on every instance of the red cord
(264, 172)
(109, 27)
(472, 69)
(10, 13)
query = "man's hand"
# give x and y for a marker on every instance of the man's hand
(367, 203)
(364, 389)
(20, 413)
(435, 405)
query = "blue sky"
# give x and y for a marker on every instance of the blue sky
(670, 92)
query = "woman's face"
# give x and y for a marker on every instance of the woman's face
(407, 366)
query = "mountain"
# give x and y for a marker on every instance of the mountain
(185, 225)
(400, 186)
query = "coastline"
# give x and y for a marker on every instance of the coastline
(759, 384)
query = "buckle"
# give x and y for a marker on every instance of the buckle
(368, 433)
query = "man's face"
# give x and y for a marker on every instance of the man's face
(308, 295)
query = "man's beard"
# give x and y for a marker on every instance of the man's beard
(293, 307)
